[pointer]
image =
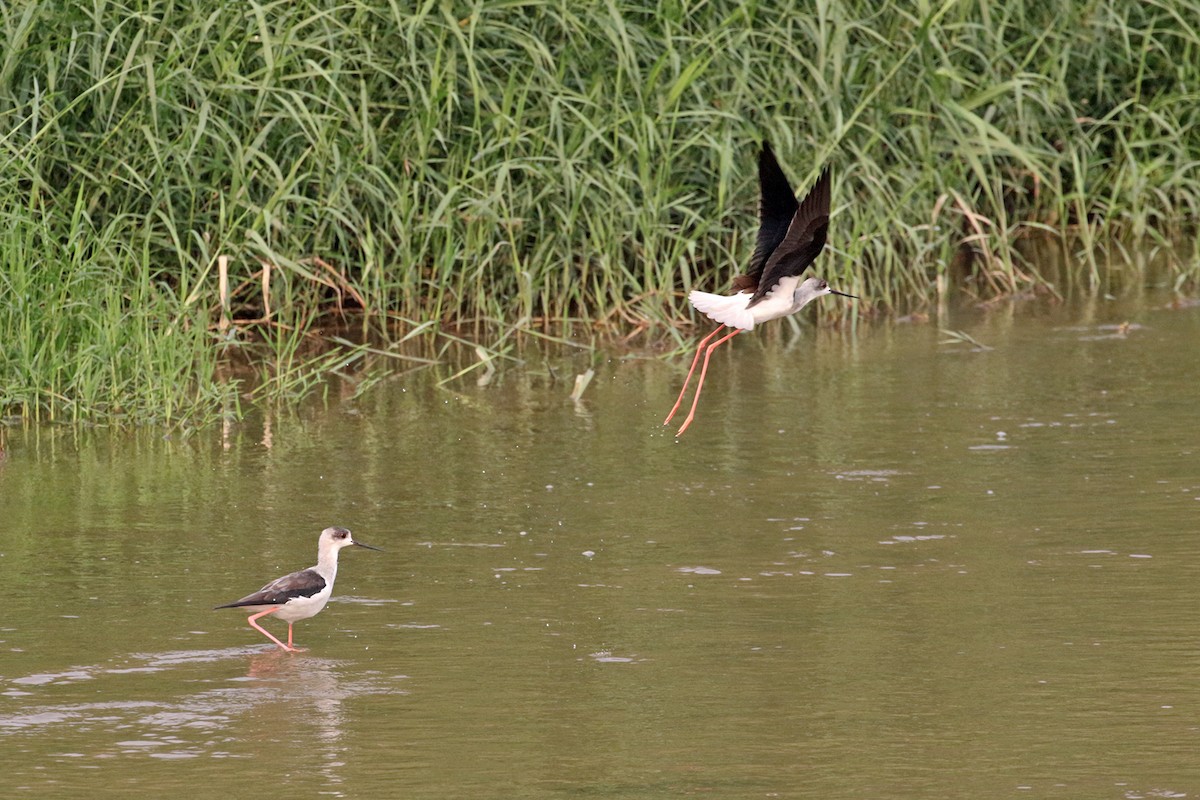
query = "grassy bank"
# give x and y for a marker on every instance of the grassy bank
(519, 163)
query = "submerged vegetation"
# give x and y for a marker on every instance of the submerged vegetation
(186, 184)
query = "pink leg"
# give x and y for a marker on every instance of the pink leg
(264, 632)
(688, 379)
(700, 383)
(290, 646)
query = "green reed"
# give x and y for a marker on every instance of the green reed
(545, 165)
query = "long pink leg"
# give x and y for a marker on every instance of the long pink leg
(264, 631)
(700, 383)
(688, 379)
(290, 645)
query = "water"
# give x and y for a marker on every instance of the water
(878, 565)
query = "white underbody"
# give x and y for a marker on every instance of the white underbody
(732, 309)
(299, 608)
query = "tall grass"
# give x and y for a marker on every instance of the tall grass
(530, 163)
(83, 340)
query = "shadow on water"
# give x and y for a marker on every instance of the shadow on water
(304, 689)
(187, 704)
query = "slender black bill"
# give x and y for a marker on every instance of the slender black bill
(369, 547)
(831, 291)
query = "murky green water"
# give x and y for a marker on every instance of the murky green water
(878, 565)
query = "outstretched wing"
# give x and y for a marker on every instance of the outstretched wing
(803, 241)
(776, 207)
(304, 583)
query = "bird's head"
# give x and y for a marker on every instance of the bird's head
(341, 537)
(812, 288)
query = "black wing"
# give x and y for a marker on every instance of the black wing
(304, 583)
(776, 207)
(803, 241)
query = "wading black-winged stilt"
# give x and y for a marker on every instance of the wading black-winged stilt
(790, 236)
(302, 594)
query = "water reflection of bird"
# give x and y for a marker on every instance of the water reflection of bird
(790, 236)
(303, 696)
(302, 594)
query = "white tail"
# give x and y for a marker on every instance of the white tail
(729, 310)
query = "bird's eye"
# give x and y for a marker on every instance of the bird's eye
(824, 285)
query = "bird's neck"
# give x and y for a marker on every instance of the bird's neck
(801, 298)
(327, 561)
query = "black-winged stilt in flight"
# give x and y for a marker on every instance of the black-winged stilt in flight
(790, 236)
(302, 594)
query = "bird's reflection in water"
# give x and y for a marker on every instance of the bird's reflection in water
(303, 706)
